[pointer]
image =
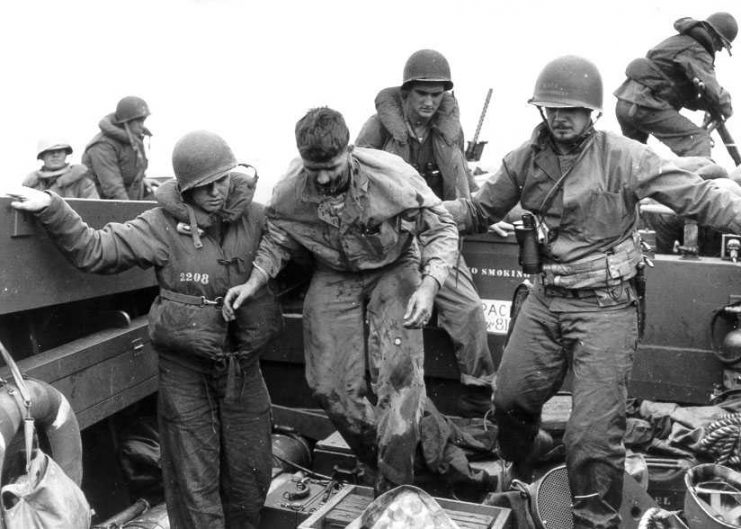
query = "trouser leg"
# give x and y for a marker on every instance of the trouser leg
(604, 343)
(190, 448)
(673, 129)
(532, 370)
(246, 461)
(334, 345)
(625, 113)
(396, 356)
(460, 314)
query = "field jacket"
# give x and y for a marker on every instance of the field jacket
(117, 166)
(596, 209)
(161, 238)
(72, 181)
(665, 77)
(386, 206)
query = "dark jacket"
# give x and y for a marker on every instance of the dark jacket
(117, 165)
(161, 238)
(665, 77)
(71, 181)
(387, 130)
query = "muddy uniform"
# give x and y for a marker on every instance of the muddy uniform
(439, 159)
(368, 262)
(213, 406)
(661, 84)
(72, 181)
(582, 313)
(117, 162)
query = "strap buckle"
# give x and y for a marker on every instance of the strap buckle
(218, 302)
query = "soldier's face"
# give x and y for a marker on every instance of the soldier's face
(136, 126)
(330, 177)
(567, 124)
(211, 197)
(424, 99)
(54, 159)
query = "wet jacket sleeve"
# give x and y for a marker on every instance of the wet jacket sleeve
(687, 194)
(113, 248)
(104, 162)
(276, 248)
(438, 240)
(497, 196)
(716, 98)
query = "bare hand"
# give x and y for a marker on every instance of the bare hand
(234, 298)
(419, 308)
(29, 199)
(502, 228)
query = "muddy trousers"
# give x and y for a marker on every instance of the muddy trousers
(339, 348)
(216, 450)
(668, 126)
(460, 313)
(599, 346)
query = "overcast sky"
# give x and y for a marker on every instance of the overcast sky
(249, 70)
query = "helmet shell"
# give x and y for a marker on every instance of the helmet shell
(427, 66)
(201, 157)
(707, 476)
(725, 25)
(131, 107)
(568, 81)
(52, 143)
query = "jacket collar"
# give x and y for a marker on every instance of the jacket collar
(698, 30)
(237, 202)
(546, 155)
(65, 176)
(390, 108)
(118, 133)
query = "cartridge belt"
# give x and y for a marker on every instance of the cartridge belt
(569, 292)
(200, 301)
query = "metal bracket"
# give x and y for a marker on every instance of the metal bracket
(22, 224)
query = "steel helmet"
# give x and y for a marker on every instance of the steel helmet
(201, 157)
(724, 25)
(705, 480)
(429, 66)
(52, 144)
(568, 81)
(131, 107)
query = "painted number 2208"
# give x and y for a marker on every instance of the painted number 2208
(191, 277)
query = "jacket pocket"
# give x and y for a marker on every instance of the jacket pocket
(605, 216)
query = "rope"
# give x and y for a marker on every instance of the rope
(722, 440)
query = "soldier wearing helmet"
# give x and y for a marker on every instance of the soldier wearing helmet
(116, 156)
(678, 73)
(420, 121)
(56, 174)
(214, 409)
(582, 187)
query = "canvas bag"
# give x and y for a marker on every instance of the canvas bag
(45, 497)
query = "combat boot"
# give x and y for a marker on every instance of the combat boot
(523, 470)
(475, 402)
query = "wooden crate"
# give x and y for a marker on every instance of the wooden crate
(352, 500)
